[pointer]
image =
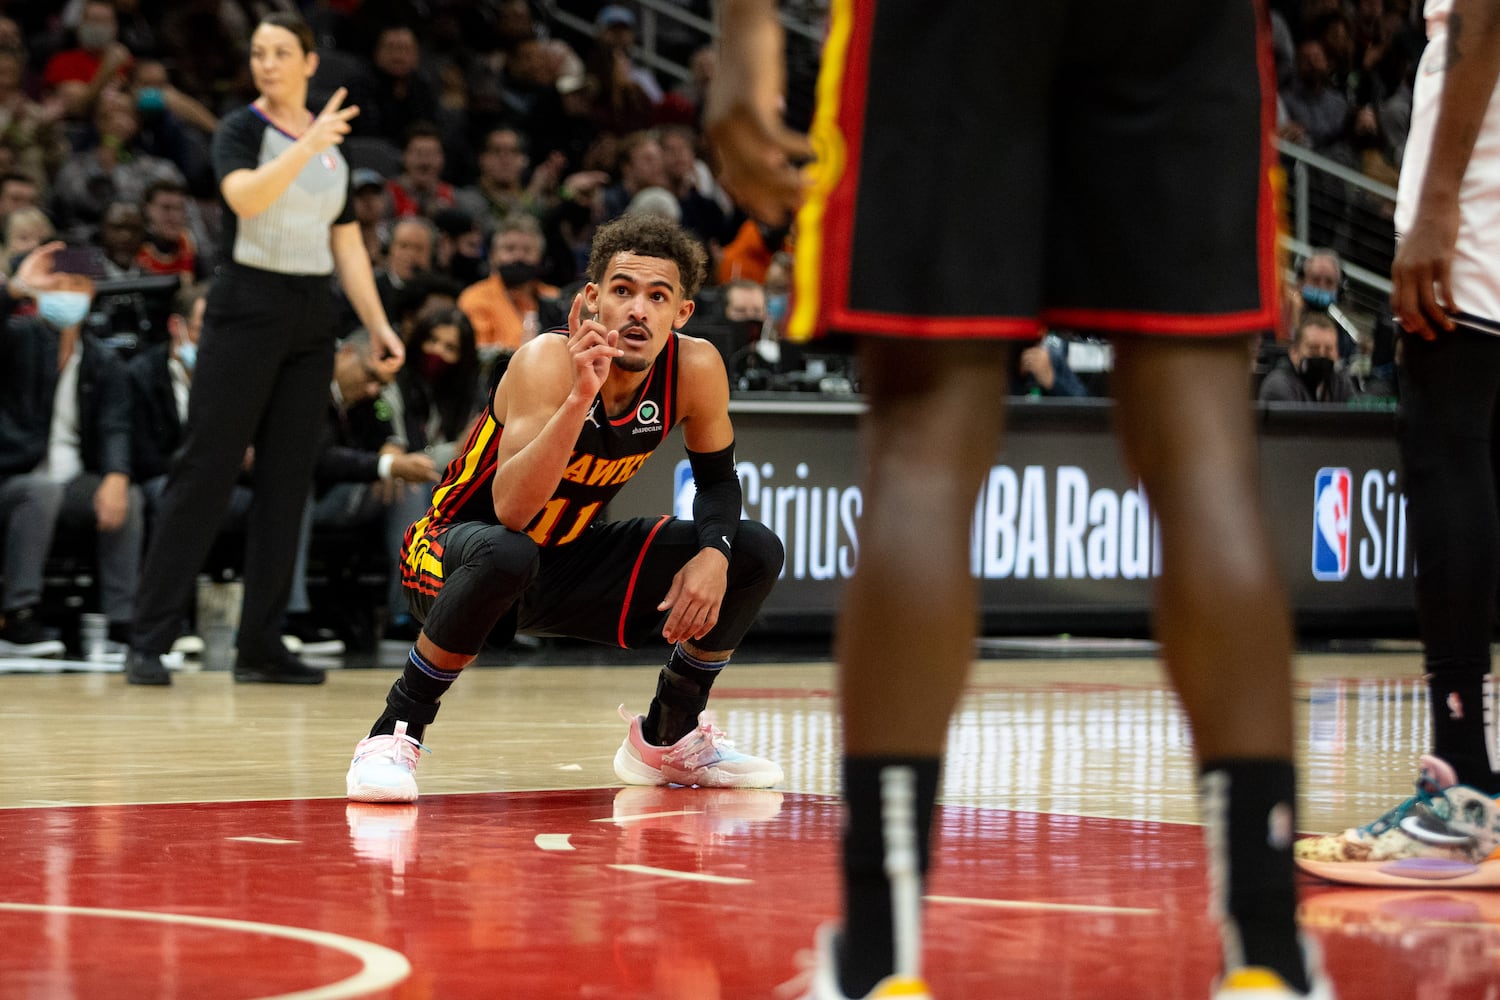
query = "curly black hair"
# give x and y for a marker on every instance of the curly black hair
(650, 236)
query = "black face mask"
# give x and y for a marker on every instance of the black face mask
(517, 273)
(1315, 372)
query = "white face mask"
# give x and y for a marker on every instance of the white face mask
(63, 309)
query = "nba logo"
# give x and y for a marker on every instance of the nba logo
(1330, 554)
(683, 490)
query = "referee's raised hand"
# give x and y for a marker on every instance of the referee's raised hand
(332, 123)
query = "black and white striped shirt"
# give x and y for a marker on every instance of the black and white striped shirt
(291, 235)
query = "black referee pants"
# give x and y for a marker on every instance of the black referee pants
(1449, 431)
(265, 360)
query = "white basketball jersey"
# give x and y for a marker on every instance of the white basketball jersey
(1476, 264)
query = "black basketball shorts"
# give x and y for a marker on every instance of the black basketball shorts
(987, 168)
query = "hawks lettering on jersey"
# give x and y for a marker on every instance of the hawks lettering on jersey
(608, 453)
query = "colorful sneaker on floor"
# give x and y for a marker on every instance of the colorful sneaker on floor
(1445, 835)
(821, 981)
(703, 757)
(383, 769)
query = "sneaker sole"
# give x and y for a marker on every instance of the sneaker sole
(406, 791)
(1406, 874)
(44, 649)
(633, 771)
(149, 680)
(393, 796)
(330, 647)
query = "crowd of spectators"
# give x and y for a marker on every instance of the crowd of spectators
(1344, 73)
(491, 142)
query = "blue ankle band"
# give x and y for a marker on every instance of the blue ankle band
(693, 661)
(431, 671)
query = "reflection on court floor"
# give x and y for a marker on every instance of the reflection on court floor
(193, 843)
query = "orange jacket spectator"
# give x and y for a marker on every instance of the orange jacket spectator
(749, 256)
(499, 314)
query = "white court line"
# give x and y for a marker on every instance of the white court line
(553, 841)
(263, 840)
(683, 876)
(1026, 904)
(382, 966)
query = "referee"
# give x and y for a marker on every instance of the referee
(265, 357)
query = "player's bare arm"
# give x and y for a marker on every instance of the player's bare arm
(704, 396)
(1421, 296)
(542, 402)
(758, 154)
(697, 590)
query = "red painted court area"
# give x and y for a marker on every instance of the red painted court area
(669, 894)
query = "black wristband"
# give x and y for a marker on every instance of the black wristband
(717, 501)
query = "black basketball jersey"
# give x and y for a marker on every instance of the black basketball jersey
(609, 451)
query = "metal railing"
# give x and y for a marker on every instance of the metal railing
(1333, 206)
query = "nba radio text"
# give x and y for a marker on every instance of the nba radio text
(1030, 522)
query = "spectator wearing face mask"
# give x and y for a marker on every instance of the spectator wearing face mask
(1322, 273)
(778, 283)
(161, 377)
(1320, 279)
(1309, 371)
(64, 448)
(432, 402)
(504, 307)
(75, 77)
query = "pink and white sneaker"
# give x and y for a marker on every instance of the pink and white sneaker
(383, 768)
(704, 757)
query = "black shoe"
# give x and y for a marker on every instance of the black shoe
(145, 668)
(23, 635)
(284, 669)
(305, 637)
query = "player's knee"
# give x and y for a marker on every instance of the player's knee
(758, 553)
(507, 559)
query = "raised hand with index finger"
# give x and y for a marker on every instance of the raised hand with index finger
(332, 123)
(593, 350)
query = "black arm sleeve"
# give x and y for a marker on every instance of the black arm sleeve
(717, 503)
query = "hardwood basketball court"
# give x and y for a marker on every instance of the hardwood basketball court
(194, 842)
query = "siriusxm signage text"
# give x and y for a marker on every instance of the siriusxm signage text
(1030, 522)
